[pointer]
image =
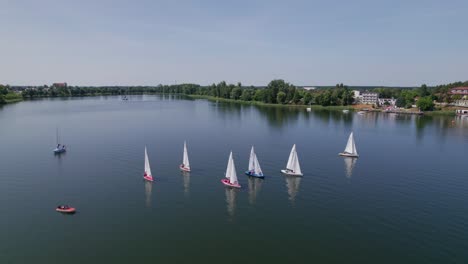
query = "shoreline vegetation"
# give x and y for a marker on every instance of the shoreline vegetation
(276, 93)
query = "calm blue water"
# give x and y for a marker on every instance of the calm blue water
(403, 201)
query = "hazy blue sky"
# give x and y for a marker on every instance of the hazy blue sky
(399, 42)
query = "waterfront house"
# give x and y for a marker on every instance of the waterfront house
(366, 97)
(463, 91)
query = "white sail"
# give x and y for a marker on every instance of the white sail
(185, 159)
(231, 173)
(293, 161)
(257, 168)
(290, 160)
(251, 160)
(350, 146)
(228, 169)
(147, 165)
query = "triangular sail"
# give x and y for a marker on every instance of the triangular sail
(147, 165)
(350, 146)
(185, 159)
(228, 169)
(257, 168)
(251, 160)
(289, 165)
(231, 173)
(293, 161)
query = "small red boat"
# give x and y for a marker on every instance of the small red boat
(65, 209)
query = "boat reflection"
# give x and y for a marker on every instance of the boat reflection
(292, 183)
(148, 190)
(231, 194)
(186, 182)
(255, 185)
(349, 165)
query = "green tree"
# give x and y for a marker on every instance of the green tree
(236, 93)
(246, 95)
(259, 95)
(422, 91)
(425, 103)
(281, 97)
(307, 98)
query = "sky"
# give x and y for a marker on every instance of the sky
(143, 42)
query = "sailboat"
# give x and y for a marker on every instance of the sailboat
(231, 174)
(254, 165)
(185, 166)
(350, 150)
(293, 167)
(147, 176)
(60, 148)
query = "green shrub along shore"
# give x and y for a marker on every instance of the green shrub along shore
(276, 93)
(8, 96)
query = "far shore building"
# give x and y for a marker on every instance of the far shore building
(463, 93)
(309, 88)
(60, 85)
(366, 97)
(391, 101)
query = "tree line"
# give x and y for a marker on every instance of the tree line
(276, 92)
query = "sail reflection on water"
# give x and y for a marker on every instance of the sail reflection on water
(255, 185)
(231, 194)
(293, 183)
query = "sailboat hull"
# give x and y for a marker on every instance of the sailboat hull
(69, 210)
(184, 168)
(227, 183)
(344, 154)
(57, 151)
(148, 178)
(288, 172)
(253, 174)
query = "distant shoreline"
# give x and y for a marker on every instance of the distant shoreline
(212, 98)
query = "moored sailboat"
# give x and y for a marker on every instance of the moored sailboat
(293, 167)
(350, 150)
(147, 176)
(231, 174)
(254, 165)
(185, 166)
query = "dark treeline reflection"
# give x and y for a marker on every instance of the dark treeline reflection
(333, 115)
(278, 117)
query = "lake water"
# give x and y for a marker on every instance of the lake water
(405, 200)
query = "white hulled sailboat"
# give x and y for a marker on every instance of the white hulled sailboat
(254, 165)
(293, 167)
(350, 150)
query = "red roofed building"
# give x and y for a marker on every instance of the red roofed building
(459, 90)
(60, 85)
